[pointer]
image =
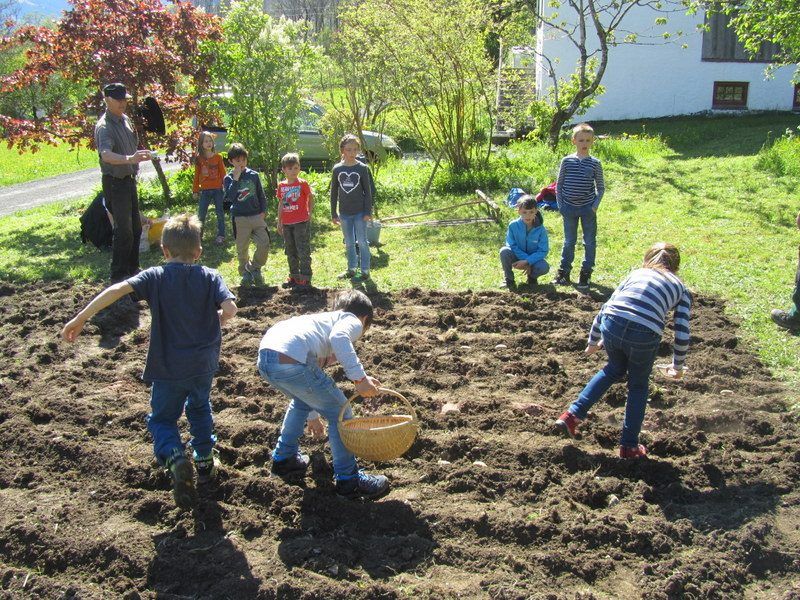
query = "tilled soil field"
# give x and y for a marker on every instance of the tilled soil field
(488, 503)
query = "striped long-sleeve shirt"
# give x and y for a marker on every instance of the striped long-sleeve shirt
(645, 297)
(580, 181)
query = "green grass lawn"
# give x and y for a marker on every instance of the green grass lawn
(693, 182)
(46, 162)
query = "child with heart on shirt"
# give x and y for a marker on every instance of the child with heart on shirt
(352, 195)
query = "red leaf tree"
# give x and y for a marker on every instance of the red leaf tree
(150, 46)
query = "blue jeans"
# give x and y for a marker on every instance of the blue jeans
(354, 229)
(208, 197)
(508, 258)
(588, 220)
(309, 389)
(631, 349)
(167, 401)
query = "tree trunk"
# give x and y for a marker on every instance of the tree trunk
(164, 183)
(433, 173)
(555, 128)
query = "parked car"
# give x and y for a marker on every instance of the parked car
(311, 143)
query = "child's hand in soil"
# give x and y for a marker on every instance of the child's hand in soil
(315, 428)
(72, 329)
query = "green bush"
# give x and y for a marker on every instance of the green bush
(151, 197)
(782, 157)
(526, 165)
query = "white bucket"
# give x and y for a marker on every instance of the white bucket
(374, 232)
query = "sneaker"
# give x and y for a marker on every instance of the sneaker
(783, 319)
(349, 274)
(361, 277)
(288, 467)
(302, 284)
(583, 280)
(207, 466)
(182, 479)
(567, 423)
(362, 485)
(289, 283)
(562, 277)
(220, 240)
(638, 452)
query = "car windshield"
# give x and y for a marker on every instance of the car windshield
(308, 120)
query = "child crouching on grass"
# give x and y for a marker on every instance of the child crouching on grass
(188, 303)
(629, 327)
(526, 245)
(291, 357)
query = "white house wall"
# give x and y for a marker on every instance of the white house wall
(663, 79)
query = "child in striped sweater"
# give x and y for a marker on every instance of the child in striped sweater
(579, 189)
(629, 327)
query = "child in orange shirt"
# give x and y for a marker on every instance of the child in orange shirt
(209, 172)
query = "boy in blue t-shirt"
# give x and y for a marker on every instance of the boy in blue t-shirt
(188, 303)
(526, 246)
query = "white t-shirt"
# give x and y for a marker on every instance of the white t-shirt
(314, 338)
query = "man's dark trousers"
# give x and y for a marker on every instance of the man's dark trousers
(121, 198)
(793, 312)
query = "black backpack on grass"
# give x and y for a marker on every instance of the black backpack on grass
(95, 224)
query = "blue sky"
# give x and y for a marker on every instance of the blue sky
(49, 8)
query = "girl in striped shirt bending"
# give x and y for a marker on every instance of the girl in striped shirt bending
(629, 327)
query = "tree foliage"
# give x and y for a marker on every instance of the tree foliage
(437, 68)
(594, 28)
(776, 21)
(260, 71)
(151, 47)
(358, 88)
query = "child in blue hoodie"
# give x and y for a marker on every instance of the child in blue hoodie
(526, 244)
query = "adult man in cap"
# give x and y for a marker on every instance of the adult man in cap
(117, 143)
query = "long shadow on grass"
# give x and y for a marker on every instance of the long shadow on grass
(697, 137)
(214, 256)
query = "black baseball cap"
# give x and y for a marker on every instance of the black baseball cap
(116, 91)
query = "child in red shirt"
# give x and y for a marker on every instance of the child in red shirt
(295, 203)
(209, 171)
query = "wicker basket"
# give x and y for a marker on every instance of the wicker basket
(379, 437)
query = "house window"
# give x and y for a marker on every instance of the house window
(796, 101)
(730, 94)
(720, 43)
